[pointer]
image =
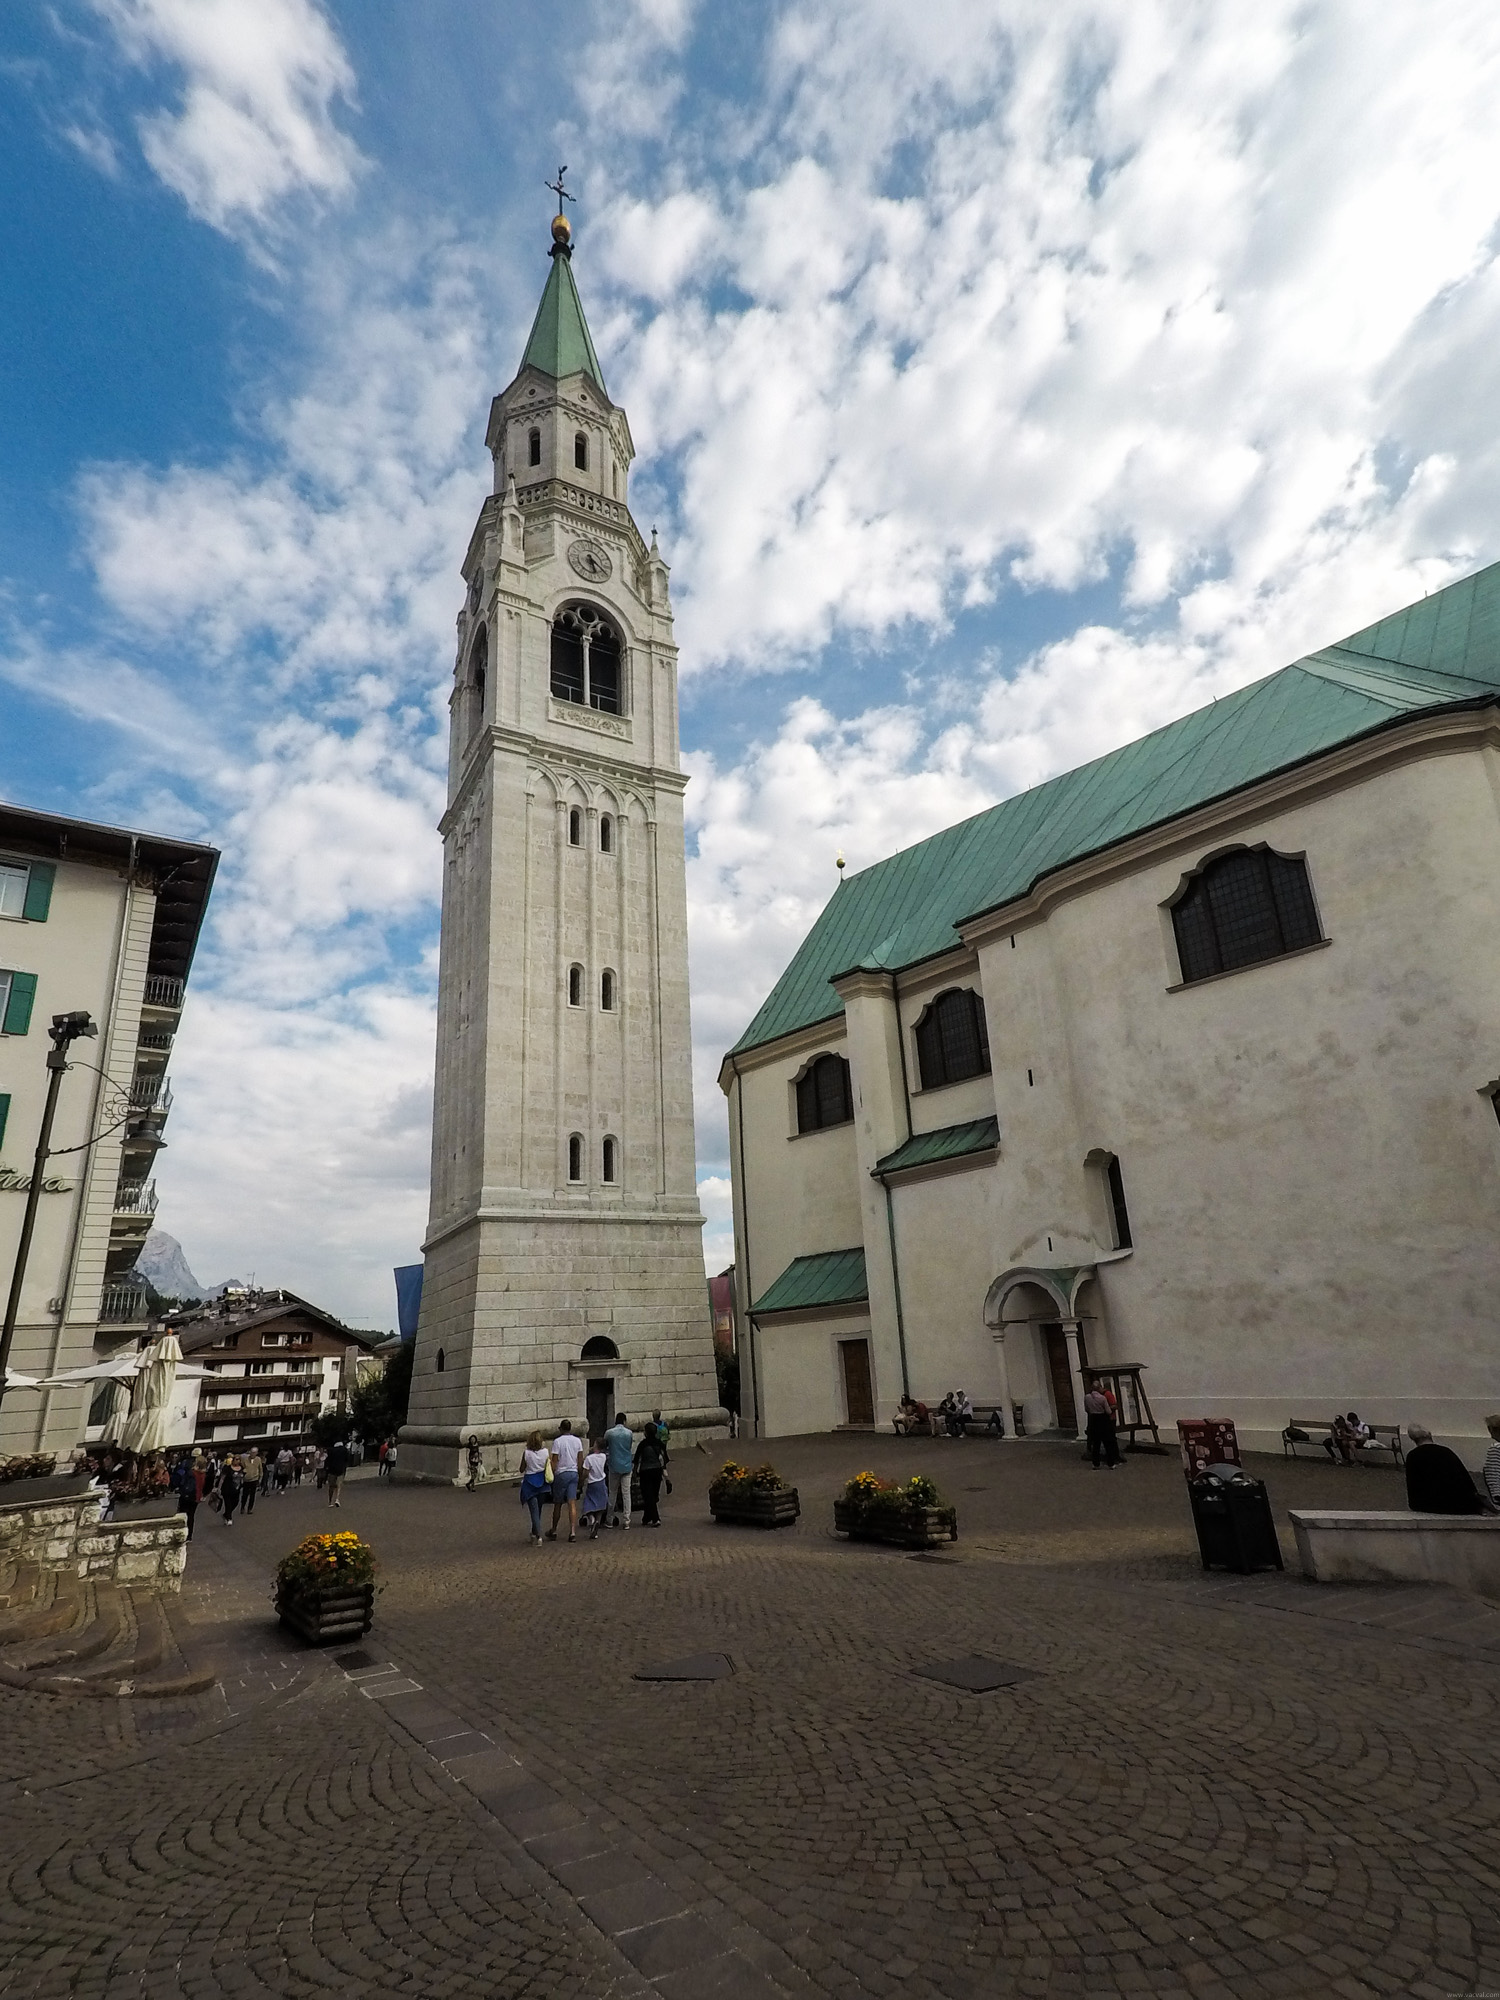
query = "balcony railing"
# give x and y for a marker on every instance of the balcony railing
(161, 991)
(122, 1305)
(154, 1038)
(151, 1093)
(135, 1198)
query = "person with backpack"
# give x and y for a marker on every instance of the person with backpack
(651, 1465)
(231, 1484)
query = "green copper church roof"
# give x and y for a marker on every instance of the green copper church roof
(831, 1278)
(1440, 653)
(560, 343)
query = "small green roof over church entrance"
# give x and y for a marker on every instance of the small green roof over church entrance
(1441, 653)
(560, 343)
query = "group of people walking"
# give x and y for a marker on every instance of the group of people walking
(597, 1470)
(232, 1481)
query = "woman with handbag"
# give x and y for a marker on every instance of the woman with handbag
(651, 1466)
(536, 1482)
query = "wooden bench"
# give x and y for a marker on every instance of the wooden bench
(1315, 1431)
(978, 1421)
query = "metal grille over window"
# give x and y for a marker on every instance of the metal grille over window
(586, 659)
(1242, 909)
(952, 1040)
(824, 1096)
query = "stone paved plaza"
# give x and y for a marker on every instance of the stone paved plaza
(1211, 1786)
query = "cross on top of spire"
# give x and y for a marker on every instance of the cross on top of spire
(562, 229)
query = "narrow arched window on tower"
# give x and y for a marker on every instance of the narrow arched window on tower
(606, 833)
(580, 451)
(575, 828)
(575, 985)
(609, 1163)
(607, 992)
(534, 447)
(441, 1358)
(575, 1157)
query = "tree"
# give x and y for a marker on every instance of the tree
(378, 1406)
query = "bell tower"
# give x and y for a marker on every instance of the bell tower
(564, 1267)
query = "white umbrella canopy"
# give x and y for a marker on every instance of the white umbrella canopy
(150, 1405)
(117, 1416)
(14, 1379)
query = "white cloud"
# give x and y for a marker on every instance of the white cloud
(1029, 291)
(255, 122)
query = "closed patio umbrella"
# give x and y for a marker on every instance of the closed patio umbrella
(150, 1406)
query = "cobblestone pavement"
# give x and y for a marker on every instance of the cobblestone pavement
(1212, 1786)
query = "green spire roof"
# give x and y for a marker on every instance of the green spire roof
(1443, 652)
(560, 343)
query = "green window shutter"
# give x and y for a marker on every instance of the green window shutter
(18, 1007)
(4, 1113)
(39, 892)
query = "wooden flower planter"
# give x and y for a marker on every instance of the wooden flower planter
(912, 1528)
(323, 1616)
(766, 1507)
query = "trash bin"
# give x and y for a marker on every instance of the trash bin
(1236, 1529)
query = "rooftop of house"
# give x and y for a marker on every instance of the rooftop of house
(1443, 652)
(261, 1311)
(183, 871)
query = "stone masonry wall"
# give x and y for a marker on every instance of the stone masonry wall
(66, 1533)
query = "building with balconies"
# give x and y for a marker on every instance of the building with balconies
(274, 1362)
(101, 919)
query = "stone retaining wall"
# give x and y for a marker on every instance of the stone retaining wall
(66, 1533)
(148, 1552)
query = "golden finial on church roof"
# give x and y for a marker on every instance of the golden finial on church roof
(838, 862)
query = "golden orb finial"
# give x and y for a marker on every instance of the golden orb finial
(562, 231)
(838, 862)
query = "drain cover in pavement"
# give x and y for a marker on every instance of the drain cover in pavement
(975, 1674)
(354, 1660)
(700, 1667)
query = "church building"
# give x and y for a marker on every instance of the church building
(564, 1265)
(1186, 1060)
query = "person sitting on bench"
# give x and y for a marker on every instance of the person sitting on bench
(1345, 1433)
(911, 1418)
(1437, 1480)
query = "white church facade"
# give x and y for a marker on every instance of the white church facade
(1189, 1058)
(564, 1269)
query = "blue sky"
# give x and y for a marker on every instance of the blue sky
(1006, 379)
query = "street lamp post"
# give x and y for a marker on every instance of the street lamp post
(65, 1030)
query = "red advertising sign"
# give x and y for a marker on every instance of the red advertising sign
(1206, 1441)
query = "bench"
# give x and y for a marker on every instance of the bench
(1458, 1549)
(1315, 1431)
(978, 1422)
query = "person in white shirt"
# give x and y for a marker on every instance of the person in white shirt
(534, 1483)
(567, 1450)
(595, 1490)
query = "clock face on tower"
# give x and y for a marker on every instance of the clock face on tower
(589, 560)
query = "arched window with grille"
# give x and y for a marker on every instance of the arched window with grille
(575, 1156)
(610, 1161)
(824, 1095)
(534, 447)
(586, 659)
(575, 985)
(1242, 908)
(607, 991)
(953, 1042)
(479, 654)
